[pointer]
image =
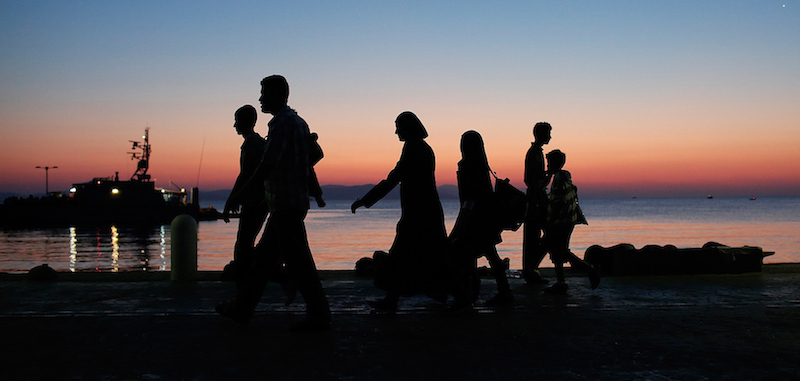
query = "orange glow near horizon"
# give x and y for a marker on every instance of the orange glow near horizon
(661, 98)
(636, 167)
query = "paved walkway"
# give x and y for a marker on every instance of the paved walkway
(708, 327)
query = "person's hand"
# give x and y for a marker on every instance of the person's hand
(320, 202)
(229, 207)
(356, 204)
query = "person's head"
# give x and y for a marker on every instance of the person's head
(555, 160)
(472, 149)
(409, 127)
(541, 132)
(274, 93)
(245, 119)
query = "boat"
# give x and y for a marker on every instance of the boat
(108, 200)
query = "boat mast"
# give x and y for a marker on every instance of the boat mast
(143, 157)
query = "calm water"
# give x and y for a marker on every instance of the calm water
(338, 238)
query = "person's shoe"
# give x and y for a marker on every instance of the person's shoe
(501, 299)
(311, 325)
(533, 277)
(558, 288)
(383, 306)
(230, 310)
(594, 276)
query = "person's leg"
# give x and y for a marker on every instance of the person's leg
(578, 264)
(533, 251)
(559, 267)
(251, 220)
(561, 254)
(249, 290)
(266, 257)
(498, 270)
(504, 295)
(557, 242)
(591, 270)
(293, 242)
(460, 270)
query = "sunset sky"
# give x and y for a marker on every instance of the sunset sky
(648, 99)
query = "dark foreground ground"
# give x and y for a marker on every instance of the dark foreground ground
(709, 327)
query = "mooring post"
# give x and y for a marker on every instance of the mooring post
(183, 249)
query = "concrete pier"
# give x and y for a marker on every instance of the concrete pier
(142, 326)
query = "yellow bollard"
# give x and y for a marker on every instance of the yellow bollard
(183, 249)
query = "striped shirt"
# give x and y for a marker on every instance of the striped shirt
(563, 209)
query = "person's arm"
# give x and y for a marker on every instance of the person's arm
(383, 188)
(314, 189)
(249, 158)
(273, 148)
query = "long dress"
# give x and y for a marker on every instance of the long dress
(476, 222)
(476, 231)
(415, 263)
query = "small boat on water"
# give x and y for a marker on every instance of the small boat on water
(105, 200)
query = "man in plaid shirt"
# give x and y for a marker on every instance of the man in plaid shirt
(284, 169)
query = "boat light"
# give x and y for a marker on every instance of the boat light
(114, 191)
(73, 190)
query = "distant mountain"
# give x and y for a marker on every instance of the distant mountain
(337, 192)
(215, 195)
(6, 195)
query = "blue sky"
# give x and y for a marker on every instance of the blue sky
(638, 92)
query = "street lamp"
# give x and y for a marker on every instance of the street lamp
(46, 179)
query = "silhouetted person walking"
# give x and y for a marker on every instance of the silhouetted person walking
(536, 179)
(563, 214)
(254, 208)
(476, 231)
(416, 260)
(284, 169)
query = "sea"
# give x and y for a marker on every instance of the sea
(338, 238)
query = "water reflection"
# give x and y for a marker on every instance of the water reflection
(338, 238)
(112, 248)
(73, 248)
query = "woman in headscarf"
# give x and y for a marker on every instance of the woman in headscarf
(416, 259)
(477, 231)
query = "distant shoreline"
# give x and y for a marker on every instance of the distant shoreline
(447, 191)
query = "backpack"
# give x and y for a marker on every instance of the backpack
(510, 204)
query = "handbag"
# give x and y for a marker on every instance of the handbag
(510, 204)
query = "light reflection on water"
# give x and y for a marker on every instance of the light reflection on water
(338, 238)
(76, 249)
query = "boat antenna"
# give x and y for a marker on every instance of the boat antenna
(143, 157)
(197, 184)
